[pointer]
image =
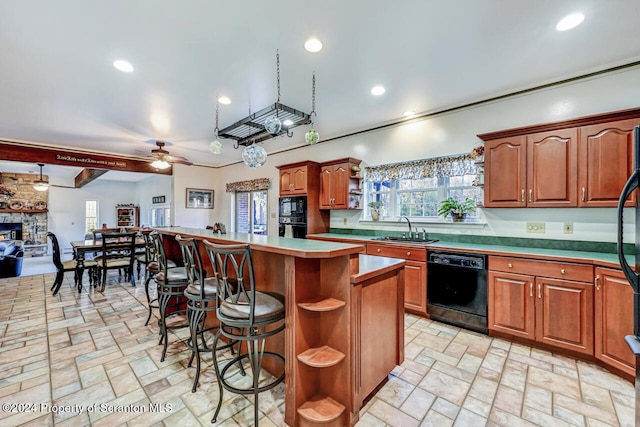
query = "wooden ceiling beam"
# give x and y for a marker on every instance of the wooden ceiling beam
(87, 175)
(22, 152)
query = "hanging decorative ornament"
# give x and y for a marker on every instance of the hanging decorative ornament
(216, 146)
(312, 137)
(273, 125)
(254, 156)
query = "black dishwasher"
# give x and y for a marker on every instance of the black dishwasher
(457, 289)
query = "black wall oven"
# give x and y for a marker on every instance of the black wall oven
(293, 217)
(457, 289)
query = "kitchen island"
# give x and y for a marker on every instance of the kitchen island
(344, 319)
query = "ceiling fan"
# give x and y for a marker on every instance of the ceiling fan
(162, 159)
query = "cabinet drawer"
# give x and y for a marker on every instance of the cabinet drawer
(540, 268)
(414, 254)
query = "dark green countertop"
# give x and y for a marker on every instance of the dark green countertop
(606, 259)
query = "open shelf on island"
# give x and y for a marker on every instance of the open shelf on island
(322, 304)
(321, 409)
(321, 357)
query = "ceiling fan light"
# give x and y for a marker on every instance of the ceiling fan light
(160, 164)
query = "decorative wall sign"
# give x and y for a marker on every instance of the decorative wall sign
(199, 198)
(158, 199)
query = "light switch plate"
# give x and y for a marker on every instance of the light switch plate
(535, 227)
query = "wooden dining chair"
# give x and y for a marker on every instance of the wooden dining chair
(118, 252)
(65, 266)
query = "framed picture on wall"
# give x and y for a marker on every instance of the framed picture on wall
(199, 198)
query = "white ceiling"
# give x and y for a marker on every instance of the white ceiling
(58, 85)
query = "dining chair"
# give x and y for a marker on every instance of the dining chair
(118, 252)
(245, 315)
(65, 266)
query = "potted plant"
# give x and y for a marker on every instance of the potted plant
(375, 209)
(457, 209)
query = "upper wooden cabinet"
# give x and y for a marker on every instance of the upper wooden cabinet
(582, 162)
(293, 179)
(339, 185)
(606, 162)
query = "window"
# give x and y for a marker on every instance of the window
(90, 216)
(251, 212)
(415, 189)
(161, 215)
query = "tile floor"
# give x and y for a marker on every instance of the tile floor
(88, 359)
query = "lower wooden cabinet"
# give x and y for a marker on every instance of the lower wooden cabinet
(415, 273)
(613, 319)
(550, 310)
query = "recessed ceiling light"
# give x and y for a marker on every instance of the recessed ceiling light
(409, 113)
(224, 100)
(313, 45)
(570, 21)
(122, 65)
(377, 90)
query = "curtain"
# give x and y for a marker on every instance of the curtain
(250, 185)
(461, 164)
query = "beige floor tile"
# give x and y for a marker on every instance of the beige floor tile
(446, 386)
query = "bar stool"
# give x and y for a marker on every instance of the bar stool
(151, 268)
(245, 315)
(171, 284)
(202, 298)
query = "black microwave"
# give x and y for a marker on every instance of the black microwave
(293, 206)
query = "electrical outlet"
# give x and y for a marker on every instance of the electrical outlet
(344, 221)
(568, 228)
(535, 227)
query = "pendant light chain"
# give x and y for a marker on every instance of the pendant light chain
(278, 72)
(313, 95)
(217, 106)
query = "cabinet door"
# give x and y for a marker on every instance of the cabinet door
(340, 191)
(552, 160)
(285, 182)
(564, 314)
(606, 162)
(299, 180)
(614, 319)
(505, 173)
(326, 179)
(415, 286)
(511, 304)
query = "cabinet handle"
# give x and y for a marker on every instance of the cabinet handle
(563, 271)
(510, 265)
(597, 280)
(531, 289)
(379, 250)
(530, 195)
(584, 194)
(408, 253)
(539, 290)
(522, 195)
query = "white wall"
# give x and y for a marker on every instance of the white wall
(157, 185)
(196, 177)
(446, 134)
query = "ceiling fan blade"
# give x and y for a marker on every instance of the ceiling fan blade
(179, 159)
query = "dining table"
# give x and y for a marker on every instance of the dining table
(82, 247)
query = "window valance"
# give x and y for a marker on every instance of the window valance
(461, 164)
(250, 185)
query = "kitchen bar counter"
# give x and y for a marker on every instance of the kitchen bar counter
(342, 308)
(596, 258)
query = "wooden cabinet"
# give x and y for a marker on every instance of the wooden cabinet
(548, 302)
(613, 319)
(339, 185)
(581, 162)
(127, 216)
(293, 180)
(606, 162)
(536, 170)
(415, 273)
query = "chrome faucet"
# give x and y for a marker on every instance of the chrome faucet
(409, 223)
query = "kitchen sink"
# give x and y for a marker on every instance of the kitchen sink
(404, 239)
